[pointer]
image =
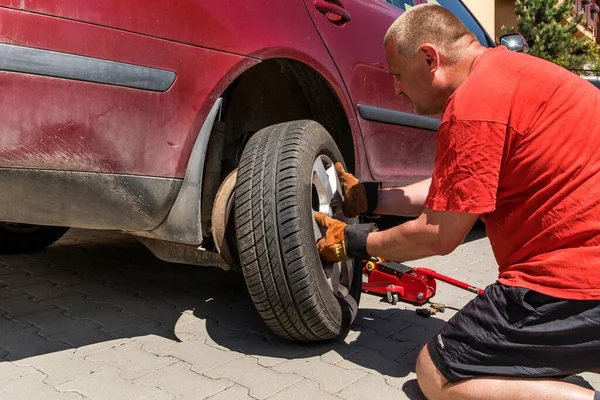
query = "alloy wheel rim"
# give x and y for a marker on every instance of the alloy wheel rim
(327, 198)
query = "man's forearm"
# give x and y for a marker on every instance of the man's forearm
(407, 201)
(433, 233)
(409, 241)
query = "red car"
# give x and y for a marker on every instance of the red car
(208, 130)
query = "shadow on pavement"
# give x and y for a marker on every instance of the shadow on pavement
(94, 288)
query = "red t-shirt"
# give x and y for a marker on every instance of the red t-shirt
(519, 144)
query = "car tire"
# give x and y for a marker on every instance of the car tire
(286, 174)
(23, 238)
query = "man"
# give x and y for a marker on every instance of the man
(518, 146)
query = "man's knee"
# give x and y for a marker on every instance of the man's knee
(430, 379)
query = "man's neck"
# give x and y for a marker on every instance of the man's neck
(463, 67)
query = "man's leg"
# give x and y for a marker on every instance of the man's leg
(434, 386)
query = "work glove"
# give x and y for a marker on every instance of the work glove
(359, 197)
(342, 242)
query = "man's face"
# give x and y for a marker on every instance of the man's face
(414, 79)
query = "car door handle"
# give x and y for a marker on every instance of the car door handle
(334, 12)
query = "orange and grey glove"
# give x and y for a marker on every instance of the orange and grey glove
(342, 242)
(359, 197)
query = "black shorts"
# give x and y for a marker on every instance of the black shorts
(517, 332)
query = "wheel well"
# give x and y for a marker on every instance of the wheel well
(281, 90)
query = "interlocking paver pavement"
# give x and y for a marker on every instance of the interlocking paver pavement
(97, 316)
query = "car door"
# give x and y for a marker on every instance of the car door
(353, 31)
(400, 146)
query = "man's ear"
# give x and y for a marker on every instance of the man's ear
(430, 55)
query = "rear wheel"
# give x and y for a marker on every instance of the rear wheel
(285, 175)
(23, 238)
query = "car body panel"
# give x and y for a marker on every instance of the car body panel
(80, 109)
(166, 124)
(594, 80)
(63, 124)
(396, 154)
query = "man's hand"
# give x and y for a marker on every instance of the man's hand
(332, 247)
(342, 242)
(354, 201)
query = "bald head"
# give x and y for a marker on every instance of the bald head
(433, 24)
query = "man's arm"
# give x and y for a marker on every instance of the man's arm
(433, 233)
(405, 201)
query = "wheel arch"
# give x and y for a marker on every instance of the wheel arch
(255, 95)
(284, 89)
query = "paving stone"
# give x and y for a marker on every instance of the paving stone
(262, 382)
(371, 387)
(409, 317)
(303, 390)
(206, 328)
(10, 325)
(31, 386)
(161, 396)
(28, 343)
(37, 268)
(9, 370)
(5, 269)
(100, 292)
(10, 261)
(371, 362)
(330, 378)
(591, 377)
(389, 348)
(88, 339)
(132, 360)
(128, 273)
(334, 351)
(452, 298)
(66, 279)
(161, 312)
(201, 356)
(151, 335)
(22, 305)
(52, 322)
(266, 352)
(334, 356)
(383, 327)
(46, 290)
(414, 334)
(219, 311)
(61, 366)
(107, 385)
(410, 359)
(179, 380)
(109, 317)
(186, 317)
(5, 292)
(235, 392)
(18, 279)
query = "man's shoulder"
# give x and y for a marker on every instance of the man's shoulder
(500, 80)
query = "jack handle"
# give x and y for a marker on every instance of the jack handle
(447, 279)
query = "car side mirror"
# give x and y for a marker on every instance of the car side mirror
(514, 42)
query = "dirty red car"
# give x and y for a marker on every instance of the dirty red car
(207, 129)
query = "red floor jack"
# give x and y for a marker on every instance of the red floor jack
(400, 282)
